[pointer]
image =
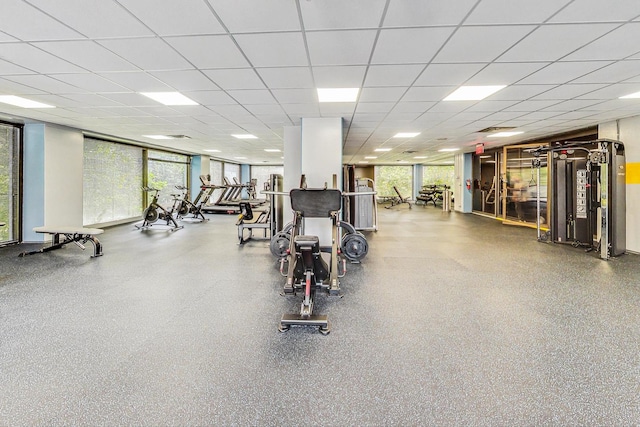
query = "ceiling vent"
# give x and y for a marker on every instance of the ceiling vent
(409, 152)
(179, 136)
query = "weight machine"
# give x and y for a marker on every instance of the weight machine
(588, 195)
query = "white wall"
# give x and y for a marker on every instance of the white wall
(63, 176)
(628, 132)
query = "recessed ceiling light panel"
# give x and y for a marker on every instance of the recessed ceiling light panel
(447, 150)
(631, 96)
(23, 102)
(244, 136)
(338, 94)
(169, 98)
(370, 157)
(503, 134)
(472, 93)
(271, 150)
(382, 149)
(212, 151)
(406, 134)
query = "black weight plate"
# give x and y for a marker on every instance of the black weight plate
(354, 246)
(279, 245)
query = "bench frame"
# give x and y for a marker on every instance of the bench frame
(65, 235)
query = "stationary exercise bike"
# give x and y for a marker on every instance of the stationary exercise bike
(185, 206)
(155, 212)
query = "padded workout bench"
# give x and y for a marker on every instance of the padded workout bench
(64, 235)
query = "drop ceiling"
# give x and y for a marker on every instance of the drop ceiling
(254, 66)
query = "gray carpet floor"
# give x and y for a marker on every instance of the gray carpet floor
(451, 320)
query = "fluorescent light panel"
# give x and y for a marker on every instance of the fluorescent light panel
(158, 136)
(406, 134)
(420, 157)
(271, 150)
(503, 134)
(631, 96)
(169, 98)
(446, 150)
(370, 157)
(212, 151)
(472, 93)
(363, 161)
(244, 136)
(338, 94)
(23, 102)
(382, 149)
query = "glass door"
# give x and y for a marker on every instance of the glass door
(520, 186)
(9, 184)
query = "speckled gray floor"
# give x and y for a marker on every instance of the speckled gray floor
(451, 320)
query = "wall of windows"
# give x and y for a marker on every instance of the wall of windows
(9, 180)
(165, 171)
(389, 176)
(112, 179)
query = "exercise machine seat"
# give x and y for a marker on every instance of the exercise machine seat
(308, 258)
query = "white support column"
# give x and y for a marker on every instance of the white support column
(292, 165)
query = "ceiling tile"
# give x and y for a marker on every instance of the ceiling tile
(374, 107)
(412, 107)
(552, 42)
(529, 106)
(45, 83)
(4, 37)
(287, 78)
(129, 98)
(252, 96)
(407, 45)
(296, 96)
(245, 78)
(94, 100)
(563, 72)
(273, 49)
(614, 45)
(392, 75)
(185, 80)
(198, 50)
(520, 92)
(302, 110)
(572, 105)
(86, 54)
(505, 73)
(514, 12)
(243, 16)
(175, 18)
(41, 26)
(447, 74)
(94, 18)
(147, 53)
(490, 105)
(137, 81)
(338, 15)
(614, 73)
(35, 59)
(7, 68)
(568, 91)
(403, 13)
(336, 77)
(612, 92)
(336, 109)
(211, 97)
(436, 93)
(340, 47)
(381, 94)
(90, 82)
(481, 44)
(598, 11)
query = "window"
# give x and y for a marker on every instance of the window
(389, 176)
(9, 179)
(261, 175)
(165, 172)
(232, 170)
(438, 175)
(111, 182)
(215, 170)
